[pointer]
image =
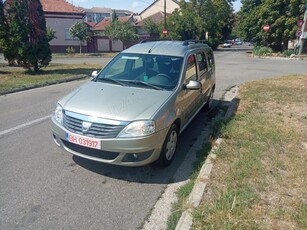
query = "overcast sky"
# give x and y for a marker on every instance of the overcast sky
(135, 6)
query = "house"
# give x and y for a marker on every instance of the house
(157, 18)
(102, 43)
(158, 6)
(97, 14)
(156, 13)
(60, 16)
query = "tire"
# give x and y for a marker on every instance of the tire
(208, 105)
(169, 147)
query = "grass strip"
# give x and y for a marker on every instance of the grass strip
(259, 179)
(16, 77)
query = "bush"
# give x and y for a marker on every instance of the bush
(262, 51)
(70, 50)
(213, 43)
(288, 53)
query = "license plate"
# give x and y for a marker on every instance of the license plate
(84, 141)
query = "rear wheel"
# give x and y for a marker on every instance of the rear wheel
(169, 146)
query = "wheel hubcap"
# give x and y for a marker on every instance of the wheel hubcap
(171, 145)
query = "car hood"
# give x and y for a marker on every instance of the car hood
(115, 102)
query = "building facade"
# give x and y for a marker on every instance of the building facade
(60, 16)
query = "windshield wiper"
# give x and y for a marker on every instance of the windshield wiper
(142, 83)
(111, 80)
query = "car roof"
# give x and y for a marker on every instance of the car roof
(170, 48)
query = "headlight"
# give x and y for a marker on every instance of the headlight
(58, 114)
(138, 129)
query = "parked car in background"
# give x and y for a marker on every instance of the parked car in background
(133, 110)
(227, 45)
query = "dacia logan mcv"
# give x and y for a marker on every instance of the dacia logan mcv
(133, 110)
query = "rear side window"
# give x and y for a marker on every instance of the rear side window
(191, 69)
(202, 63)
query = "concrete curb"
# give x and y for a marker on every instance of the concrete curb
(186, 220)
(53, 82)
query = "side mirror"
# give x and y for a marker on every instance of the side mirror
(94, 74)
(193, 85)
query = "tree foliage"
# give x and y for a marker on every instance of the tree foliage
(3, 25)
(38, 49)
(183, 24)
(26, 37)
(81, 31)
(122, 31)
(51, 33)
(150, 26)
(196, 18)
(281, 15)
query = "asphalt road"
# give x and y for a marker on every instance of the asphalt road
(44, 187)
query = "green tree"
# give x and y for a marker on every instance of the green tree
(14, 43)
(3, 26)
(150, 26)
(26, 40)
(38, 52)
(184, 24)
(196, 18)
(81, 31)
(122, 31)
(51, 34)
(114, 15)
(281, 15)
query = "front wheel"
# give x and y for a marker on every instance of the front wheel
(169, 146)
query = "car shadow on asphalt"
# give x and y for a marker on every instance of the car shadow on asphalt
(154, 174)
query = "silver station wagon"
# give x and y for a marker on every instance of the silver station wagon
(133, 110)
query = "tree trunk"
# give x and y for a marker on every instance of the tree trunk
(285, 45)
(36, 69)
(80, 48)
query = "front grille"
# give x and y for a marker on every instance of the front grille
(91, 152)
(96, 130)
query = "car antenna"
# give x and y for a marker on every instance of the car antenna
(149, 51)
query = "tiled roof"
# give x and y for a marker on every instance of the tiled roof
(107, 21)
(91, 24)
(102, 10)
(60, 6)
(102, 24)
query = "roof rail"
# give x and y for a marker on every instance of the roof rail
(189, 42)
(154, 40)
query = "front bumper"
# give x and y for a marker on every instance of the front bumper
(117, 151)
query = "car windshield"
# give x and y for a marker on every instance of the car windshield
(157, 72)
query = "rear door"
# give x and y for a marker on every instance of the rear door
(204, 71)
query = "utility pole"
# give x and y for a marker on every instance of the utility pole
(164, 14)
(303, 37)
